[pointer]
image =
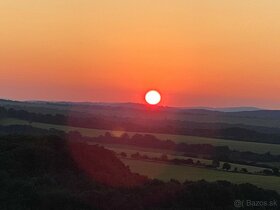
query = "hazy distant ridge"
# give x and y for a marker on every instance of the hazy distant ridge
(138, 105)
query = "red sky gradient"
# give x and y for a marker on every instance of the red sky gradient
(196, 53)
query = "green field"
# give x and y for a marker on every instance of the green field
(237, 145)
(166, 172)
(157, 153)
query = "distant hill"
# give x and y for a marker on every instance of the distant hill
(252, 116)
(229, 109)
(144, 121)
(128, 105)
(143, 106)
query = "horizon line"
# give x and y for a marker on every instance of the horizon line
(128, 102)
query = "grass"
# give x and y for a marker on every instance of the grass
(236, 145)
(166, 172)
(128, 150)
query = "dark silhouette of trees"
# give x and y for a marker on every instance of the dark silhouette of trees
(267, 172)
(226, 166)
(123, 154)
(136, 155)
(222, 153)
(244, 170)
(164, 157)
(216, 163)
(56, 171)
(275, 171)
(213, 130)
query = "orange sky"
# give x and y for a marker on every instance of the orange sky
(197, 53)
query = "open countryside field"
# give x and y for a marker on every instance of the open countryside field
(237, 145)
(118, 149)
(166, 172)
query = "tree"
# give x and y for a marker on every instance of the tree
(244, 170)
(145, 157)
(108, 135)
(189, 161)
(226, 166)
(124, 136)
(164, 157)
(136, 155)
(216, 163)
(275, 171)
(123, 154)
(267, 172)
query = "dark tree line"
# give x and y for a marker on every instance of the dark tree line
(213, 130)
(51, 171)
(207, 151)
(222, 153)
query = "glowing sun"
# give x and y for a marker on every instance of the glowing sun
(152, 97)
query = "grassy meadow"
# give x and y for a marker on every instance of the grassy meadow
(118, 149)
(165, 171)
(181, 173)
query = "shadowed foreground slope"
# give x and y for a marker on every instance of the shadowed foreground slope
(50, 171)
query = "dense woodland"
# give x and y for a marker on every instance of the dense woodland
(213, 130)
(50, 170)
(207, 151)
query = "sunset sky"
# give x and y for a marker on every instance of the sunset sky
(196, 53)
